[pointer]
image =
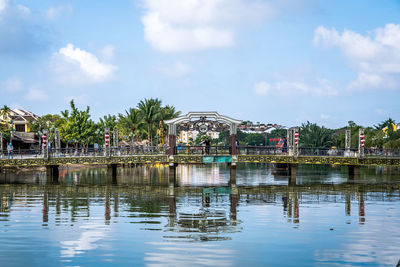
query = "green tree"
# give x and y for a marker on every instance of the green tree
(255, 139)
(131, 123)
(108, 121)
(312, 135)
(77, 127)
(150, 111)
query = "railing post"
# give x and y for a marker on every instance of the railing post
(1, 145)
(45, 147)
(347, 143)
(57, 142)
(361, 141)
(289, 138)
(115, 140)
(295, 141)
(107, 153)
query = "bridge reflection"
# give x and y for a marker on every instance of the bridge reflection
(199, 213)
(191, 203)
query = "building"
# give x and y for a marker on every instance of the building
(185, 137)
(18, 121)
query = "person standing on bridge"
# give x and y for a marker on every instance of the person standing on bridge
(10, 149)
(207, 142)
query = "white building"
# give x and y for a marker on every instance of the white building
(186, 136)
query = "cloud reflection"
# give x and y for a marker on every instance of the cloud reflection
(178, 254)
(88, 240)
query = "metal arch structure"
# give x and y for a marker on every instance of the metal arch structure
(173, 123)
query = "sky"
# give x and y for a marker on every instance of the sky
(270, 61)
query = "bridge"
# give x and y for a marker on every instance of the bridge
(172, 154)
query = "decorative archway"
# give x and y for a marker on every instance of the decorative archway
(200, 121)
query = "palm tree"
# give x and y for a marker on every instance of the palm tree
(4, 112)
(312, 135)
(133, 120)
(168, 112)
(108, 121)
(150, 111)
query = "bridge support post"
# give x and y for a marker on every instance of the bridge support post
(57, 143)
(354, 172)
(234, 148)
(112, 172)
(347, 143)
(292, 168)
(289, 138)
(172, 145)
(361, 140)
(1, 145)
(52, 173)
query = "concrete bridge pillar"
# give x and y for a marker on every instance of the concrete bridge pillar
(234, 148)
(52, 173)
(1, 145)
(361, 140)
(292, 169)
(171, 145)
(289, 138)
(45, 145)
(347, 143)
(107, 149)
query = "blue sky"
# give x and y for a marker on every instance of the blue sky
(274, 61)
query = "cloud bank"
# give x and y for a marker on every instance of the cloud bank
(75, 65)
(177, 25)
(375, 56)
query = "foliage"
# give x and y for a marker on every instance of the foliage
(255, 139)
(150, 111)
(77, 127)
(131, 124)
(312, 135)
(108, 121)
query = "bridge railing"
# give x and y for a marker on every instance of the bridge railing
(202, 150)
(382, 152)
(261, 150)
(199, 150)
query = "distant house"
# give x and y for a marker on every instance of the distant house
(19, 121)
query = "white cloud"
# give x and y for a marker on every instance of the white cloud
(107, 52)
(35, 94)
(375, 56)
(320, 87)
(12, 85)
(176, 25)
(261, 88)
(178, 69)
(74, 65)
(55, 12)
(3, 5)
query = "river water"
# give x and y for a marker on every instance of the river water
(207, 216)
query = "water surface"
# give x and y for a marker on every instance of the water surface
(143, 217)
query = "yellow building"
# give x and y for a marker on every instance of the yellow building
(18, 119)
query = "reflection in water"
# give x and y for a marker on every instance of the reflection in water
(89, 239)
(202, 215)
